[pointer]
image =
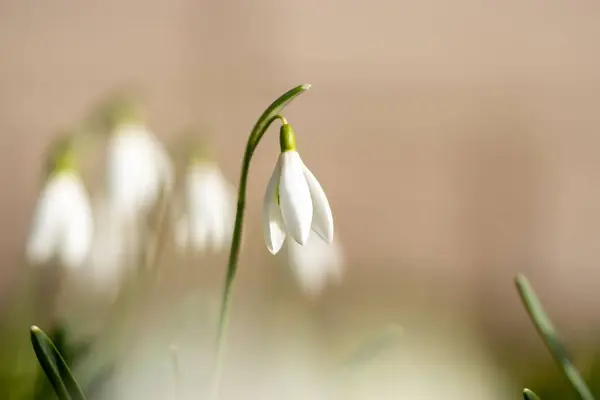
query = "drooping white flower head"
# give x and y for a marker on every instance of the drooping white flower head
(63, 225)
(210, 209)
(294, 202)
(138, 169)
(316, 263)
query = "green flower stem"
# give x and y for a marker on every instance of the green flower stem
(548, 333)
(261, 126)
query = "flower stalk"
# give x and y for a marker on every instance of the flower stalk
(261, 126)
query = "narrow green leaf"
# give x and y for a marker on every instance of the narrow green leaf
(550, 337)
(46, 360)
(54, 366)
(529, 395)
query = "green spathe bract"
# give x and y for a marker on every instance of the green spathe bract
(62, 155)
(261, 126)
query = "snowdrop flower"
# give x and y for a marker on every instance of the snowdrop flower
(138, 169)
(62, 223)
(294, 202)
(210, 208)
(316, 263)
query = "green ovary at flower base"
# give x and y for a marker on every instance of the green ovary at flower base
(303, 206)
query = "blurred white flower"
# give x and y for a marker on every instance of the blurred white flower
(63, 223)
(316, 263)
(114, 246)
(294, 202)
(138, 169)
(139, 172)
(210, 209)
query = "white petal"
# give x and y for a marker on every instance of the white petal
(164, 164)
(77, 240)
(272, 222)
(294, 197)
(134, 171)
(322, 222)
(211, 206)
(69, 207)
(315, 263)
(199, 235)
(45, 231)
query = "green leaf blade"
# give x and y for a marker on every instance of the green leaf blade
(529, 395)
(54, 366)
(550, 337)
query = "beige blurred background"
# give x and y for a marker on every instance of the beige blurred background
(458, 142)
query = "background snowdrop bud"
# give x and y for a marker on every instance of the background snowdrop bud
(200, 149)
(210, 205)
(62, 223)
(121, 109)
(294, 202)
(316, 263)
(139, 167)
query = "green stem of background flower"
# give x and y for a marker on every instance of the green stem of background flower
(261, 126)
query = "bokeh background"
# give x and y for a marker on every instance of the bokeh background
(457, 142)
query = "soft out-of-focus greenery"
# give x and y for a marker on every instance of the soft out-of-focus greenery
(21, 377)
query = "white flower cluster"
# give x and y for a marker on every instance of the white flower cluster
(108, 235)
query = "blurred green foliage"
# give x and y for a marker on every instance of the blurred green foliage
(72, 354)
(22, 378)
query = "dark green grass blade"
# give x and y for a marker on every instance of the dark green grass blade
(54, 366)
(529, 395)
